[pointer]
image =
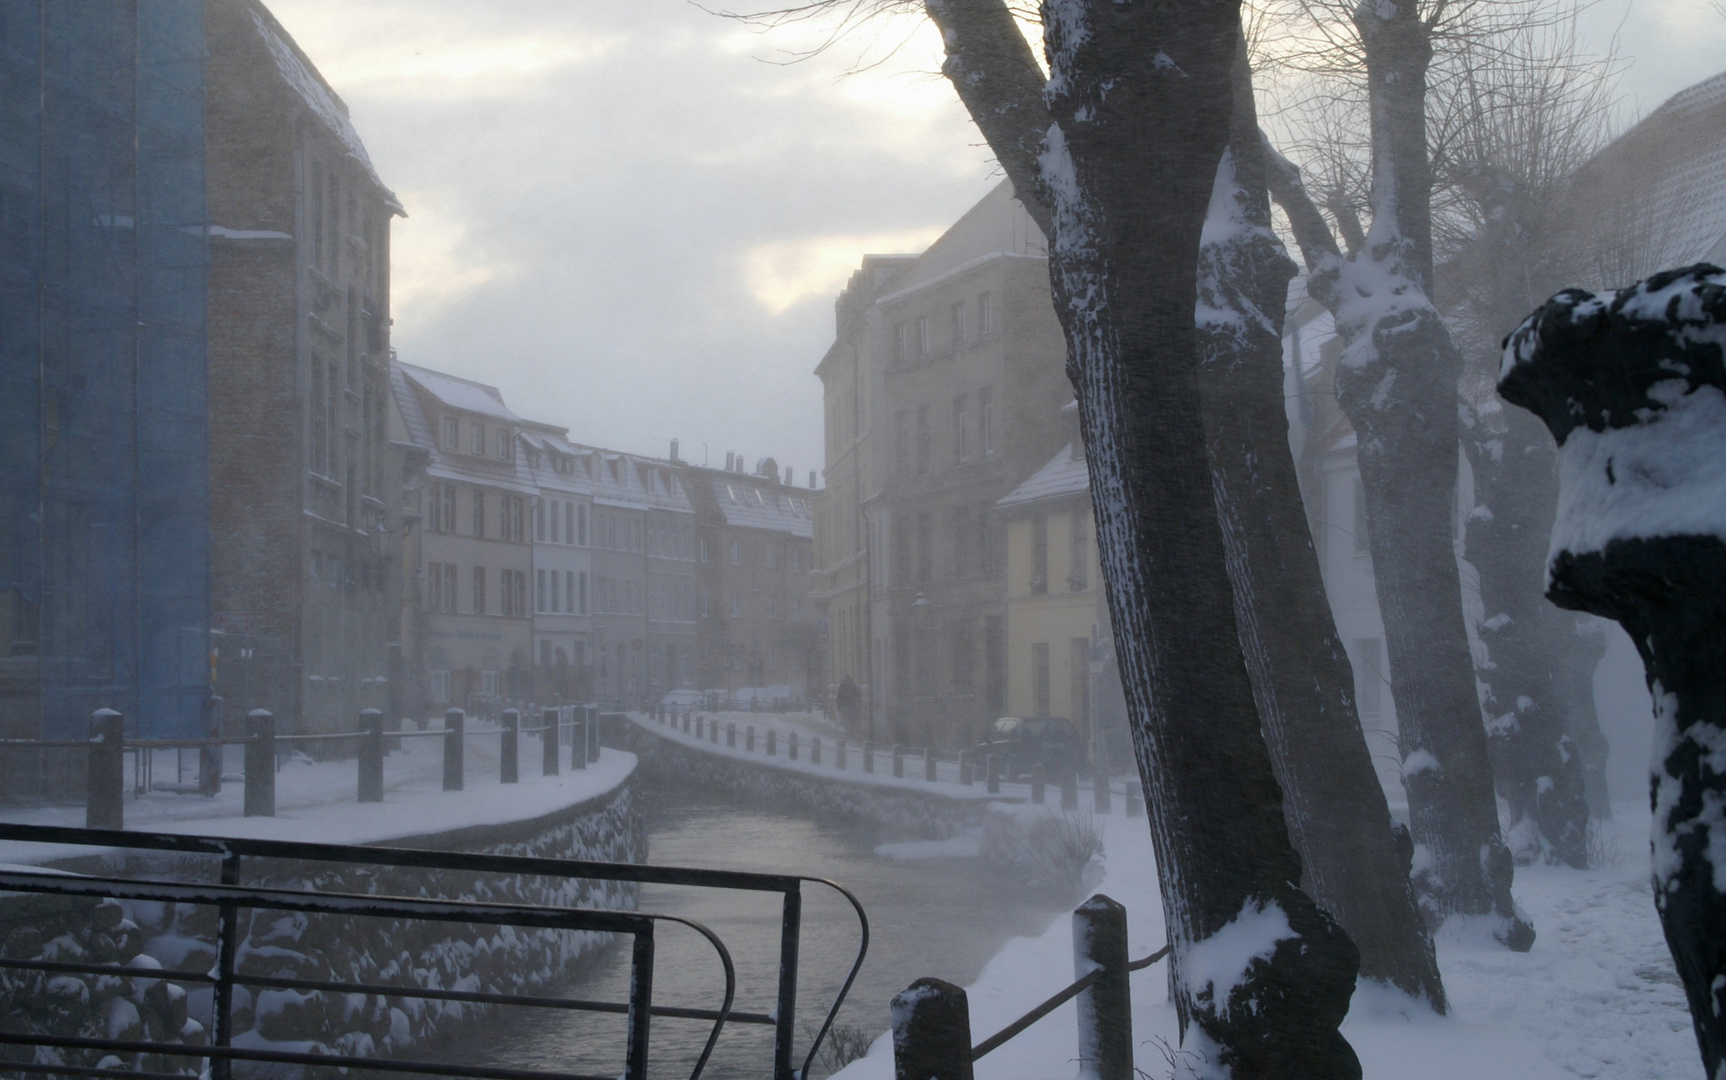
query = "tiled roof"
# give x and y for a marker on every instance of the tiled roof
(763, 506)
(511, 475)
(460, 393)
(629, 481)
(1066, 474)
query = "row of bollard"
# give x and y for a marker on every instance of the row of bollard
(106, 763)
(932, 1018)
(693, 723)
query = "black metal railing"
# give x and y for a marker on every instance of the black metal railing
(229, 897)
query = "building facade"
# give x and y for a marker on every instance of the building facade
(755, 543)
(562, 564)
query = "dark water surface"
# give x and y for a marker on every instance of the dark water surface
(944, 917)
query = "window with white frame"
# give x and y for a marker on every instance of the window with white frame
(479, 439)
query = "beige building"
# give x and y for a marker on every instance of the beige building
(467, 620)
(562, 563)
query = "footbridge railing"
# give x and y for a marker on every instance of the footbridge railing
(229, 896)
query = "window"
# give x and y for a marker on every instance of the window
(1079, 682)
(1369, 676)
(514, 588)
(920, 343)
(1361, 546)
(569, 523)
(899, 352)
(986, 420)
(479, 438)
(986, 313)
(479, 590)
(924, 439)
(539, 603)
(925, 548)
(568, 592)
(1079, 570)
(581, 592)
(432, 597)
(554, 518)
(514, 519)
(439, 685)
(505, 446)
(479, 512)
(581, 525)
(704, 549)
(901, 444)
(961, 407)
(961, 539)
(1040, 676)
(451, 433)
(1040, 554)
(736, 553)
(539, 522)
(958, 312)
(448, 587)
(489, 683)
(736, 606)
(985, 540)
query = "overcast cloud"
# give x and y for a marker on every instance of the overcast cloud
(631, 224)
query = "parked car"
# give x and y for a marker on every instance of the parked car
(1025, 743)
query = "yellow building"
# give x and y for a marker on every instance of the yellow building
(1055, 610)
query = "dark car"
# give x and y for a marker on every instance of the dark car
(1025, 743)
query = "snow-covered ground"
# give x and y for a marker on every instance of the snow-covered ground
(1597, 996)
(317, 801)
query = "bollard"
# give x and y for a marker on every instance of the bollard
(749, 743)
(929, 764)
(1037, 785)
(994, 781)
(1105, 1007)
(210, 757)
(713, 732)
(931, 1032)
(509, 759)
(868, 756)
(105, 769)
(592, 742)
(698, 727)
(965, 767)
(260, 800)
(578, 742)
(371, 755)
(551, 726)
(791, 745)
(898, 761)
(1069, 789)
(815, 750)
(772, 742)
(1100, 789)
(731, 735)
(454, 746)
(686, 722)
(839, 754)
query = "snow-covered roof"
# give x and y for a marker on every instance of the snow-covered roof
(459, 393)
(302, 77)
(512, 475)
(1067, 474)
(629, 481)
(752, 505)
(547, 444)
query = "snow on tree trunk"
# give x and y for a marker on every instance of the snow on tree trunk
(1537, 764)
(1632, 384)
(1355, 863)
(1140, 96)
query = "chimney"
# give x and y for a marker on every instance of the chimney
(674, 449)
(729, 457)
(811, 479)
(790, 479)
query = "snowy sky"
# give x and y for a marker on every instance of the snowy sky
(635, 226)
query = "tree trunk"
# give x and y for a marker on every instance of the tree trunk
(1355, 856)
(1397, 383)
(1140, 96)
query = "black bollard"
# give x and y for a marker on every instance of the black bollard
(1105, 1007)
(929, 764)
(749, 739)
(713, 732)
(931, 1032)
(791, 745)
(1037, 785)
(815, 750)
(839, 754)
(371, 764)
(260, 799)
(509, 759)
(698, 727)
(454, 747)
(898, 761)
(994, 781)
(1100, 789)
(1069, 789)
(731, 735)
(965, 767)
(551, 727)
(591, 737)
(578, 743)
(772, 742)
(868, 757)
(105, 769)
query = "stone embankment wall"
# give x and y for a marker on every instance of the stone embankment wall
(150, 936)
(903, 810)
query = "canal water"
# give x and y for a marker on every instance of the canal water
(938, 915)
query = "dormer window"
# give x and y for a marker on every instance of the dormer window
(479, 439)
(451, 433)
(505, 445)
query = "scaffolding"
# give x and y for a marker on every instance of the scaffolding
(104, 495)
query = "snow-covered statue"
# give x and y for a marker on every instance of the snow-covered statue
(1632, 384)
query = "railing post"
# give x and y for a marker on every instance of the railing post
(551, 730)
(591, 742)
(931, 1032)
(815, 750)
(105, 772)
(965, 767)
(1105, 1007)
(898, 761)
(839, 754)
(791, 745)
(454, 746)
(772, 742)
(260, 800)
(785, 1008)
(1037, 785)
(868, 756)
(1069, 789)
(509, 760)
(578, 742)
(929, 764)
(371, 761)
(994, 774)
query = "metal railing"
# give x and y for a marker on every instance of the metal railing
(932, 1018)
(230, 897)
